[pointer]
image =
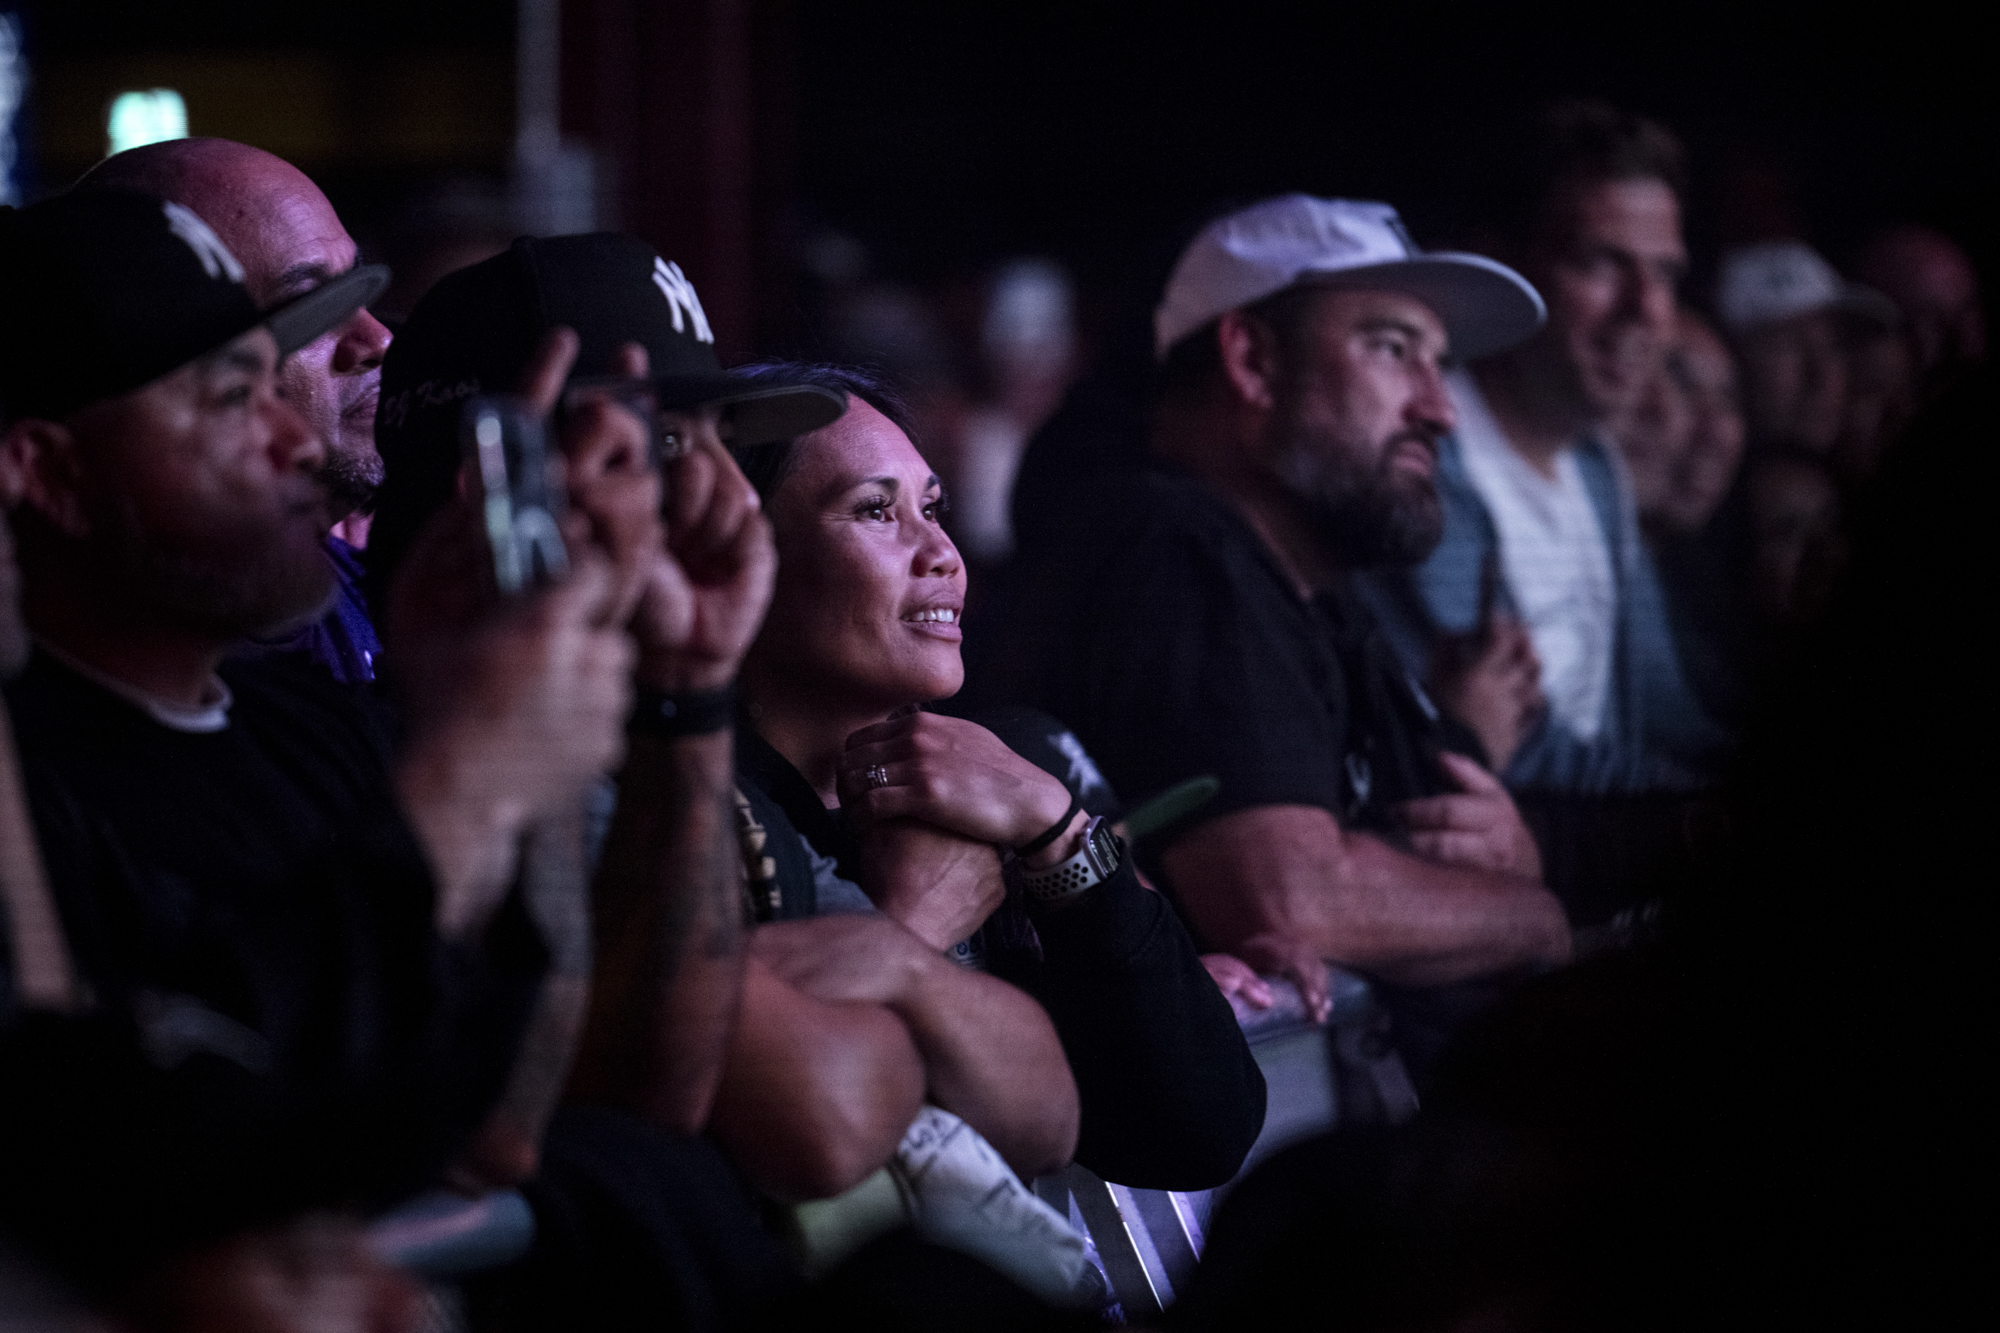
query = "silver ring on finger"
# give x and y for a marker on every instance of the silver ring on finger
(876, 776)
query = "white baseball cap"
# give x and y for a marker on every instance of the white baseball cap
(1486, 307)
(1774, 280)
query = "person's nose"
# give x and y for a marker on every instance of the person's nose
(363, 341)
(937, 555)
(1430, 406)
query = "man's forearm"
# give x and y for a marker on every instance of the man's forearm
(815, 1094)
(1420, 923)
(669, 931)
(1292, 871)
(992, 1058)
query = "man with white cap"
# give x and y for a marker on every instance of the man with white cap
(1201, 620)
(1785, 310)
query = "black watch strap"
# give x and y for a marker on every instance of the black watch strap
(1055, 831)
(673, 716)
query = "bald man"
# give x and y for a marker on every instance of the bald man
(289, 240)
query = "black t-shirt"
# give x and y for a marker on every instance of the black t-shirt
(249, 907)
(1166, 633)
(1170, 1094)
(1164, 630)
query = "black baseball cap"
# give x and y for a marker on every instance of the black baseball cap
(474, 332)
(107, 291)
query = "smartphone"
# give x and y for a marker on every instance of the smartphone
(519, 498)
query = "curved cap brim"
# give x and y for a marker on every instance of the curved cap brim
(758, 413)
(1485, 306)
(328, 306)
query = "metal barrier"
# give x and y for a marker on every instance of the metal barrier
(1317, 1076)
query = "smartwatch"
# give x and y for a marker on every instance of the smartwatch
(1097, 861)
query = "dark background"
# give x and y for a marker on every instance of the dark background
(947, 136)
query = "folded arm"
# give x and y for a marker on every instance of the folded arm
(990, 1055)
(815, 1094)
(1292, 871)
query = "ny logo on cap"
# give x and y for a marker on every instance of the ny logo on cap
(673, 284)
(207, 246)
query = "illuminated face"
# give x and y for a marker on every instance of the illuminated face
(1356, 421)
(276, 221)
(198, 497)
(870, 589)
(1607, 260)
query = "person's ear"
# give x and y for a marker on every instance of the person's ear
(39, 467)
(1249, 356)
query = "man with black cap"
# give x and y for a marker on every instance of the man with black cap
(289, 240)
(639, 1222)
(312, 942)
(1201, 621)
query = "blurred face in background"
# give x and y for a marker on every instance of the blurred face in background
(1607, 258)
(1704, 375)
(1881, 397)
(1932, 281)
(1795, 381)
(1653, 437)
(1799, 551)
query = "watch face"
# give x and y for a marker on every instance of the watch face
(1104, 846)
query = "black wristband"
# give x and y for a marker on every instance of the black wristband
(1032, 846)
(673, 716)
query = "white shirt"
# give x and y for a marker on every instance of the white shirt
(1554, 556)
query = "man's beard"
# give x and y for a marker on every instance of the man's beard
(351, 480)
(1369, 516)
(264, 591)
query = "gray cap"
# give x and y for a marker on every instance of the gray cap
(1485, 306)
(1776, 280)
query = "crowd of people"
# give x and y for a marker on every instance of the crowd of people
(513, 752)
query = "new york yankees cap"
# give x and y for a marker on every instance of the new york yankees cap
(474, 332)
(1258, 251)
(107, 291)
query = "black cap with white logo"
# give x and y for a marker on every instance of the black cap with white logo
(107, 291)
(475, 332)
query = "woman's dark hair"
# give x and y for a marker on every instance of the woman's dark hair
(767, 465)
